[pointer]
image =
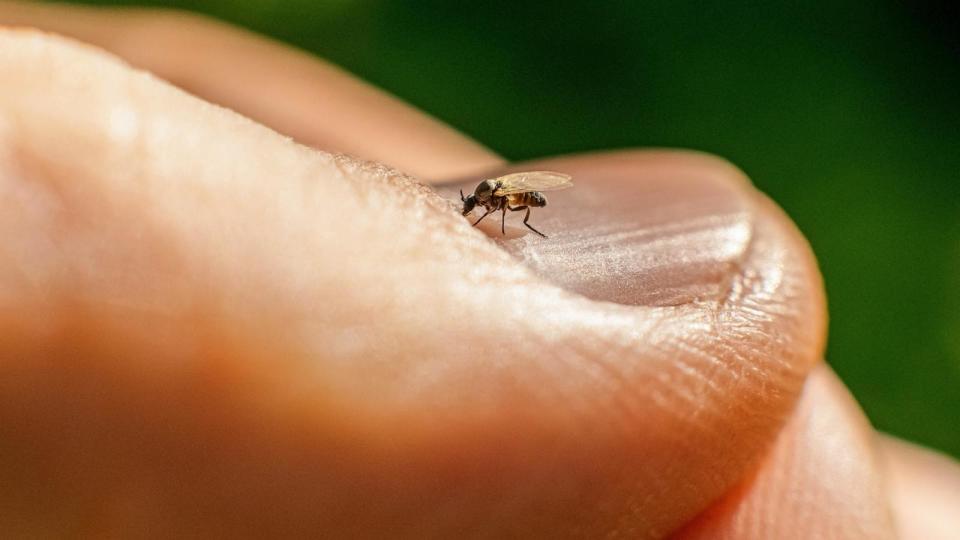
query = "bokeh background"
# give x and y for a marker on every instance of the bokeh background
(847, 114)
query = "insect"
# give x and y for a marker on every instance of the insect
(514, 192)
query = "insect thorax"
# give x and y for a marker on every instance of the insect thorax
(485, 190)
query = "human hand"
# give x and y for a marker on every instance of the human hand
(210, 330)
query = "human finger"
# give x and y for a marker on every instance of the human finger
(184, 335)
(293, 92)
(823, 478)
(924, 488)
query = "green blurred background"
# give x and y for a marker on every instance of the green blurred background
(848, 115)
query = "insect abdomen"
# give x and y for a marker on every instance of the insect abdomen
(530, 198)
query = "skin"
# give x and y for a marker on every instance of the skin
(210, 329)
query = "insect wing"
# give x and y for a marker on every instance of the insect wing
(532, 181)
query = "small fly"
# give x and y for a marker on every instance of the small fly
(514, 192)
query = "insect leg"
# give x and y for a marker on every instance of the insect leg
(481, 218)
(503, 220)
(529, 226)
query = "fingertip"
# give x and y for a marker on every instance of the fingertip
(924, 489)
(711, 305)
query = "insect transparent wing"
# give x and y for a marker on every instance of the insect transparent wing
(523, 182)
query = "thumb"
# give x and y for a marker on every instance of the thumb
(206, 328)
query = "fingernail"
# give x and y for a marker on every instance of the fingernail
(651, 228)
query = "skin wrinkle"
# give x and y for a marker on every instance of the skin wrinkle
(801, 488)
(613, 381)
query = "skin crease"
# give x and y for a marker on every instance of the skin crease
(249, 407)
(806, 458)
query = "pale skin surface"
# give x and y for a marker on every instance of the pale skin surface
(206, 328)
